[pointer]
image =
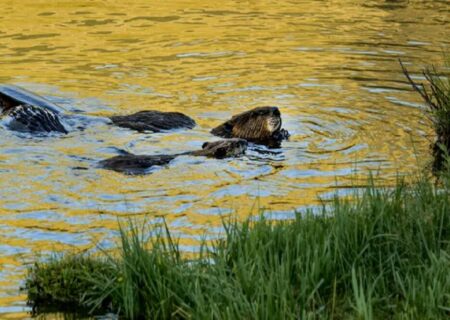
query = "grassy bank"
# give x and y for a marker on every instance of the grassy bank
(386, 254)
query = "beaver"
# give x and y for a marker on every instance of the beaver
(139, 164)
(260, 125)
(221, 149)
(27, 111)
(153, 120)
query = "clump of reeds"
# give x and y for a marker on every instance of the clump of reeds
(436, 95)
(385, 254)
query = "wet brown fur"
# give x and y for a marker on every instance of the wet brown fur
(221, 149)
(153, 120)
(139, 164)
(135, 164)
(252, 125)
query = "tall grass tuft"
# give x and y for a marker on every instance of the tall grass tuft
(436, 95)
(385, 254)
(147, 281)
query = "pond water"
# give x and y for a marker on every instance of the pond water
(331, 67)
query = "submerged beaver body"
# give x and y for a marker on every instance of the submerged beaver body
(28, 118)
(139, 164)
(22, 110)
(260, 125)
(153, 120)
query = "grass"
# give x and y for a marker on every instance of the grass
(436, 94)
(385, 254)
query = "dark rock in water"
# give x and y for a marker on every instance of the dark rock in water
(139, 164)
(260, 125)
(25, 111)
(155, 121)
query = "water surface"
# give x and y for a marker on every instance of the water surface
(331, 66)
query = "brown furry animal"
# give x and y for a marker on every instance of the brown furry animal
(260, 125)
(222, 149)
(22, 110)
(155, 121)
(139, 164)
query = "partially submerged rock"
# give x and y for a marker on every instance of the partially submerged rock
(139, 164)
(260, 125)
(153, 120)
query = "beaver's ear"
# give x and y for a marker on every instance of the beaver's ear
(220, 153)
(204, 145)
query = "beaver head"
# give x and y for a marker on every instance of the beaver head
(222, 149)
(258, 124)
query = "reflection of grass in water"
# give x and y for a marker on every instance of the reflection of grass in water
(384, 254)
(436, 94)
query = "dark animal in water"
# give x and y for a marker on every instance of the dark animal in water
(139, 164)
(155, 121)
(222, 149)
(25, 111)
(260, 125)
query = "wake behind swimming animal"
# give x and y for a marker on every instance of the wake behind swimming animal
(139, 164)
(260, 125)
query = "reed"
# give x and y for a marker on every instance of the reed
(436, 94)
